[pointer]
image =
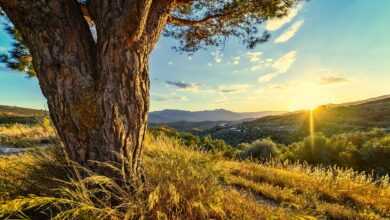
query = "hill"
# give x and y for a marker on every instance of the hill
(291, 127)
(169, 116)
(12, 114)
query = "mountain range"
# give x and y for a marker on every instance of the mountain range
(171, 116)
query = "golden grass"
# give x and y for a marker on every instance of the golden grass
(184, 183)
(19, 135)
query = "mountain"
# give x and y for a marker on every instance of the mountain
(327, 119)
(171, 116)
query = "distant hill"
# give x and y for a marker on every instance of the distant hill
(221, 115)
(12, 114)
(328, 119)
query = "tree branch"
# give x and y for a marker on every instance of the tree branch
(188, 22)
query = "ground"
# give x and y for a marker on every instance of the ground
(183, 183)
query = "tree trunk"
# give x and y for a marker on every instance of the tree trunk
(106, 123)
(97, 93)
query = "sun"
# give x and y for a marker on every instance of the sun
(307, 102)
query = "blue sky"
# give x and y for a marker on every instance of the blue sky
(326, 51)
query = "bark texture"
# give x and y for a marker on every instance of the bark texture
(97, 92)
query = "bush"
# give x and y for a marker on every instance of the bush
(262, 149)
(363, 151)
(206, 143)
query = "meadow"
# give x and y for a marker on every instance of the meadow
(185, 182)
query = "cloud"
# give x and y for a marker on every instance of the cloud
(218, 56)
(236, 60)
(254, 56)
(170, 63)
(3, 49)
(276, 23)
(184, 86)
(290, 33)
(267, 77)
(222, 100)
(233, 89)
(280, 66)
(332, 79)
(171, 97)
(279, 86)
(284, 63)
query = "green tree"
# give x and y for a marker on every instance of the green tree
(98, 89)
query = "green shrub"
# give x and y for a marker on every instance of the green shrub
(262, 149)
(364, 151)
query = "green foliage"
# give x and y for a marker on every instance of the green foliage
(364, 151)
(19, 57)
(293, 127)
(262, 150)
(202, 23)
(205, 143)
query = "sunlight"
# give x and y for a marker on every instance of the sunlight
(307, 105)
(309, 99)
(312, 128)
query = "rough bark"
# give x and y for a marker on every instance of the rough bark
(97, 93)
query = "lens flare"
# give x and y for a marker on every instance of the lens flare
(312, 128)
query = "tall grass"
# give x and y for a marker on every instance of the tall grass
(183, 183)
(20, 135)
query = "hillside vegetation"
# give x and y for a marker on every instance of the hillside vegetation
(292, 127)
(187, 183)
(11, 114)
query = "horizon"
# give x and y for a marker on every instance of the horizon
(310, 60)
(384, 96)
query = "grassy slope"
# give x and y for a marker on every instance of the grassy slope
(19, 135)
(10, 114)
(187, 184)
(293, 127)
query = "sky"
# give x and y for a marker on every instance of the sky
(325, 51)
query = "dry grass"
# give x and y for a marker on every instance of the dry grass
(187, 184)
(19, 135)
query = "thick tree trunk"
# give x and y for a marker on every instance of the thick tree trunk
(97, 93)
(106, 123)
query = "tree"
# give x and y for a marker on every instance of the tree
(98, 89)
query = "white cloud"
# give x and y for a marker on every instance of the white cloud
(254, 56)
(218, 56)
(167, 98)
(333, 79)
(267, 77)
(222, 100)
(170, 63)
(284, 63)
(276, 23)
(233, 89)
(279, 86)
(280, 66)
(236, 60)
(290, 33)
